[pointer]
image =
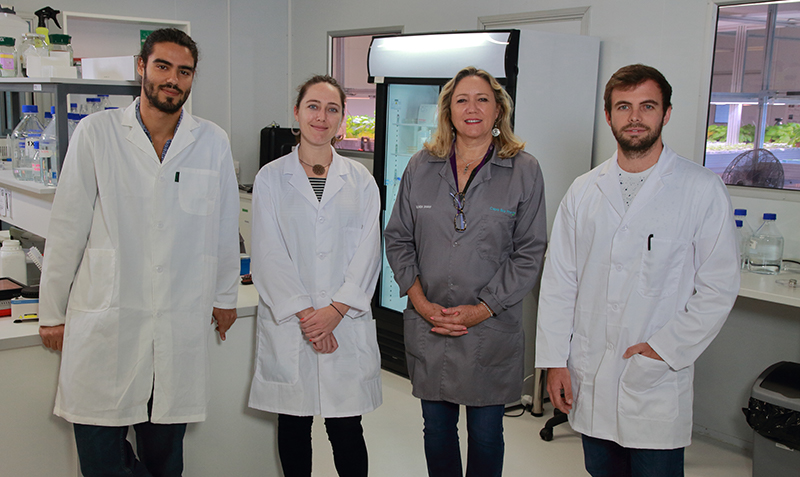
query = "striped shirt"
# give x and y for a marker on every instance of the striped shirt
(318, 184)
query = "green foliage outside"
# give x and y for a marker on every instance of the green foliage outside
(361, 126)
(781, 133)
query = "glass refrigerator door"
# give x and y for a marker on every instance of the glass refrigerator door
(411, 119)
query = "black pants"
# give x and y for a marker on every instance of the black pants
(347, 441)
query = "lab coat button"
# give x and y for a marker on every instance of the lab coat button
(610, 347)
(159, 269)
(322, 293)
(321, 219)
(619, 267)
(615, 307)
(160, 225)
(321, 256)
(625, 228)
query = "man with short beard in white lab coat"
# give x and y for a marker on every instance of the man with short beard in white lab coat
(142, 258)
(641, 273)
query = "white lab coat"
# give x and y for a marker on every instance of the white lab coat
(308, 253)
(138, 252)
(604, 290)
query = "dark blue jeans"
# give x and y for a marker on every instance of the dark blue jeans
(104, 451)
(608, 459)
(485, 444)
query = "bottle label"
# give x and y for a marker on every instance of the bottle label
(37, 168)
(7, 61)
(753, 244)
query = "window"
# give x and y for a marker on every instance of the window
(753, 135)
(348, 64)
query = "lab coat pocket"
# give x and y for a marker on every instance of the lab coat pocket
(499, 343)
(648, 390)
(415, 330)
(662, 262)
(198, 190)
(94, 282)
(494, 237)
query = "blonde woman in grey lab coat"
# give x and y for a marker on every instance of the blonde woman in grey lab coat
(316, 252)
(465, 242)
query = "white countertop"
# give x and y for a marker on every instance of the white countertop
(766, 288)
(761, 287)
(19, 335)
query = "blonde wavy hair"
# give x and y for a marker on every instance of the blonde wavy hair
(507, 143)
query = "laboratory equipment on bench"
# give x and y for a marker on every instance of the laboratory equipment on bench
(765, 252)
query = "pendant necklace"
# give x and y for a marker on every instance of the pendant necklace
(317, 169)
(466, 167)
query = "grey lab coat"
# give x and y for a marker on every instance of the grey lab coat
(497, 260)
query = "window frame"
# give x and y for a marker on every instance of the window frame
(712, 9)
(387, 30)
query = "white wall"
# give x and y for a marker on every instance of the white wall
(242, 76)
(674, 36)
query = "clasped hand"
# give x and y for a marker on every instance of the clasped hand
(453, 321)
(318, 325)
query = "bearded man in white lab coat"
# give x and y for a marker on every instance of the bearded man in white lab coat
(142, 251)
(642, 272)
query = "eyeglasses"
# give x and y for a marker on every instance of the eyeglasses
(460, 221)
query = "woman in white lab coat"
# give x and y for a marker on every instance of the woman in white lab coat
(315, 259)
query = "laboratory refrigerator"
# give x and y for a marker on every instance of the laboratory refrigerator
(552, 79)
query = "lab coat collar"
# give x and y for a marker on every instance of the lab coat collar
(299, 180)
(136, 135)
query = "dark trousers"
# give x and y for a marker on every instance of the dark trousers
(485, 444)
(345, 434)
(608, 459)
(104, 451)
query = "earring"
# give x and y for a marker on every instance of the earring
(495, 130)
(294, 131)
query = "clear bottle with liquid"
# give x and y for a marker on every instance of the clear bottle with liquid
(25, 134)
(105, 102)
(48, 153)
(765, 250)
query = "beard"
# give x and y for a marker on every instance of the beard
(636, 146)
(170, 105)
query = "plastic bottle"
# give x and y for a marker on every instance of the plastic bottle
(60, 46)
(11, 25)
(72, 122)
(12, 261)
(92, 105)
(48, 116)
(765, 251)
(32, 45)
(105, 102)
(48, 154)
(8, 57)
(73, 108)
(25, 134)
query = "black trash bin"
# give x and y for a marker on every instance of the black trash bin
(774, 415)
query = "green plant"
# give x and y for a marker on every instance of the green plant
(747, 133)
(361, 126)
(717, 132)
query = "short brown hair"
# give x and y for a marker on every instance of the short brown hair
(631, 76)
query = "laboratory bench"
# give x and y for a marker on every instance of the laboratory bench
(234, 440)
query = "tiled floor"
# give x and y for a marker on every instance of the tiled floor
(394, 439)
